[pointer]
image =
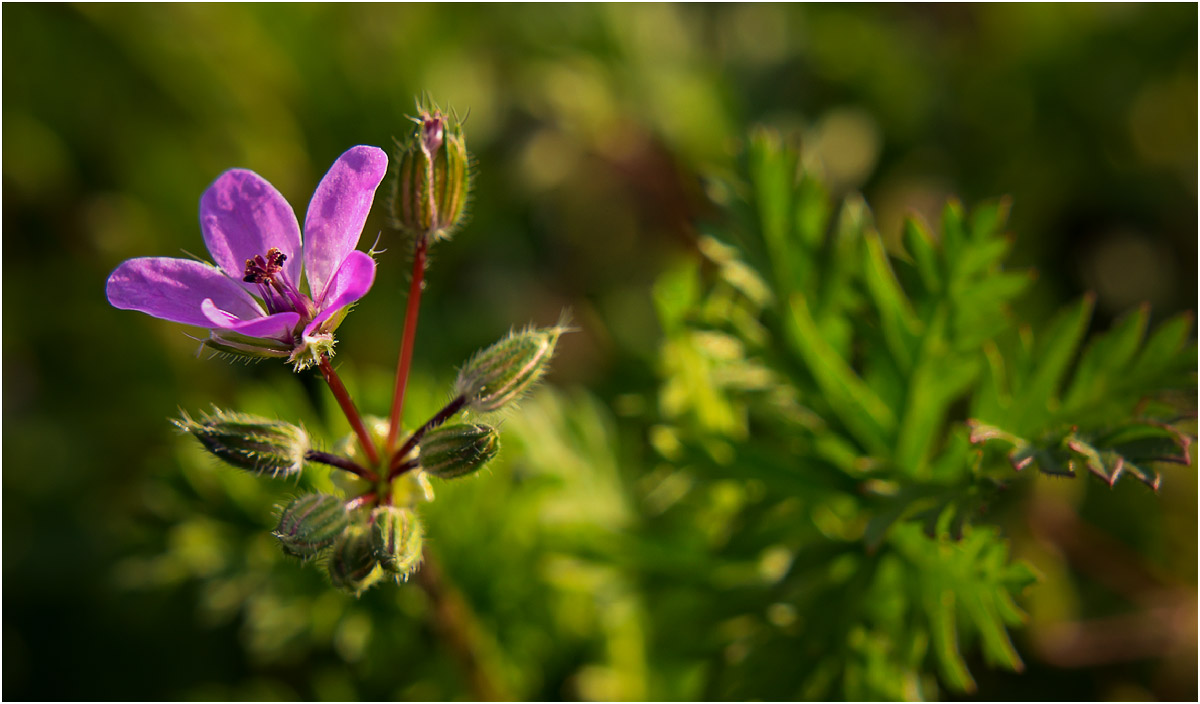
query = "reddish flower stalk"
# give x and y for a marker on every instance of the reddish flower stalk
(342, 463)
(406, 342)
(395, 467)
(347, 404)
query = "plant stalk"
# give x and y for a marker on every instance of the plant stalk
(442, 416)
(341, 463)
(347, 404)
(406, 341)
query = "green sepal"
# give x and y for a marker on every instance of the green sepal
(249, 442)
(250, 348)
(311, 523)
(453, 451)
(502, 373)
(396, 538)
(352, 565)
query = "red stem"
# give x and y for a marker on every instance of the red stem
(341, 463)
(406, 342)
(442, 416)
(347, 404)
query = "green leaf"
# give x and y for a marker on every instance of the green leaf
(954, 239)
(1105, 356)
(899, 323)
(1053, 358)
(988, 218)
(773, 174)
(1165, 345)
(919, 245)
(855, 404)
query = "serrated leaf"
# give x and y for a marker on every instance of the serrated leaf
(989, 218)
(899, 323)
(983, 255)
(954, 237)
(855, 404)
(1148, 442)
(838, 261)
(1167, 341)
(773, 174)
(1106, 355)
(997, 646)
(919, 245)
(1053, 358)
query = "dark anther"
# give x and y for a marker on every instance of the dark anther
(262, 271)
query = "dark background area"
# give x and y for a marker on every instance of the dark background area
(130, 562)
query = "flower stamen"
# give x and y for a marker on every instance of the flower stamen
(277, 290)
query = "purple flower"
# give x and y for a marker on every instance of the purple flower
(258, 300)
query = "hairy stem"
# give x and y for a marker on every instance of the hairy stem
(441, 417)
(347, 404)
(455, 624)
(341, 463)
(406, 341)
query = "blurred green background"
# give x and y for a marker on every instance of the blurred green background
(136, 569)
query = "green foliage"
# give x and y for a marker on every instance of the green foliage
(813, 399)
(1060, 422)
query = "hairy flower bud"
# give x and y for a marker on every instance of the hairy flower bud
(352, 562)
(396, 537)
(499, 374)
(453, 451)
(253, 443)
(311, 523)
(433, 174)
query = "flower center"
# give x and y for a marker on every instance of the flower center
(277, 291)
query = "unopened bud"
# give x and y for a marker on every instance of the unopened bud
(311, 523)
(352, 562)
(499, 374)
(396, 537)
(253, 443)
(453, 451)
(433, 173)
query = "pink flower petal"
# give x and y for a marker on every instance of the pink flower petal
(175, 289)
(278, 326)
(338, 211)
(242, 216)
(351, 282)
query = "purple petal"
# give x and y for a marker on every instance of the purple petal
(338, 212)
(351, 282)
(175, 289)
(242, 216)
(278, 326)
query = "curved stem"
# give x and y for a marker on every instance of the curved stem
(347, 404)
(456, 625)
(341, 463)
(442, 416)
(406, 342)
(402, 468)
